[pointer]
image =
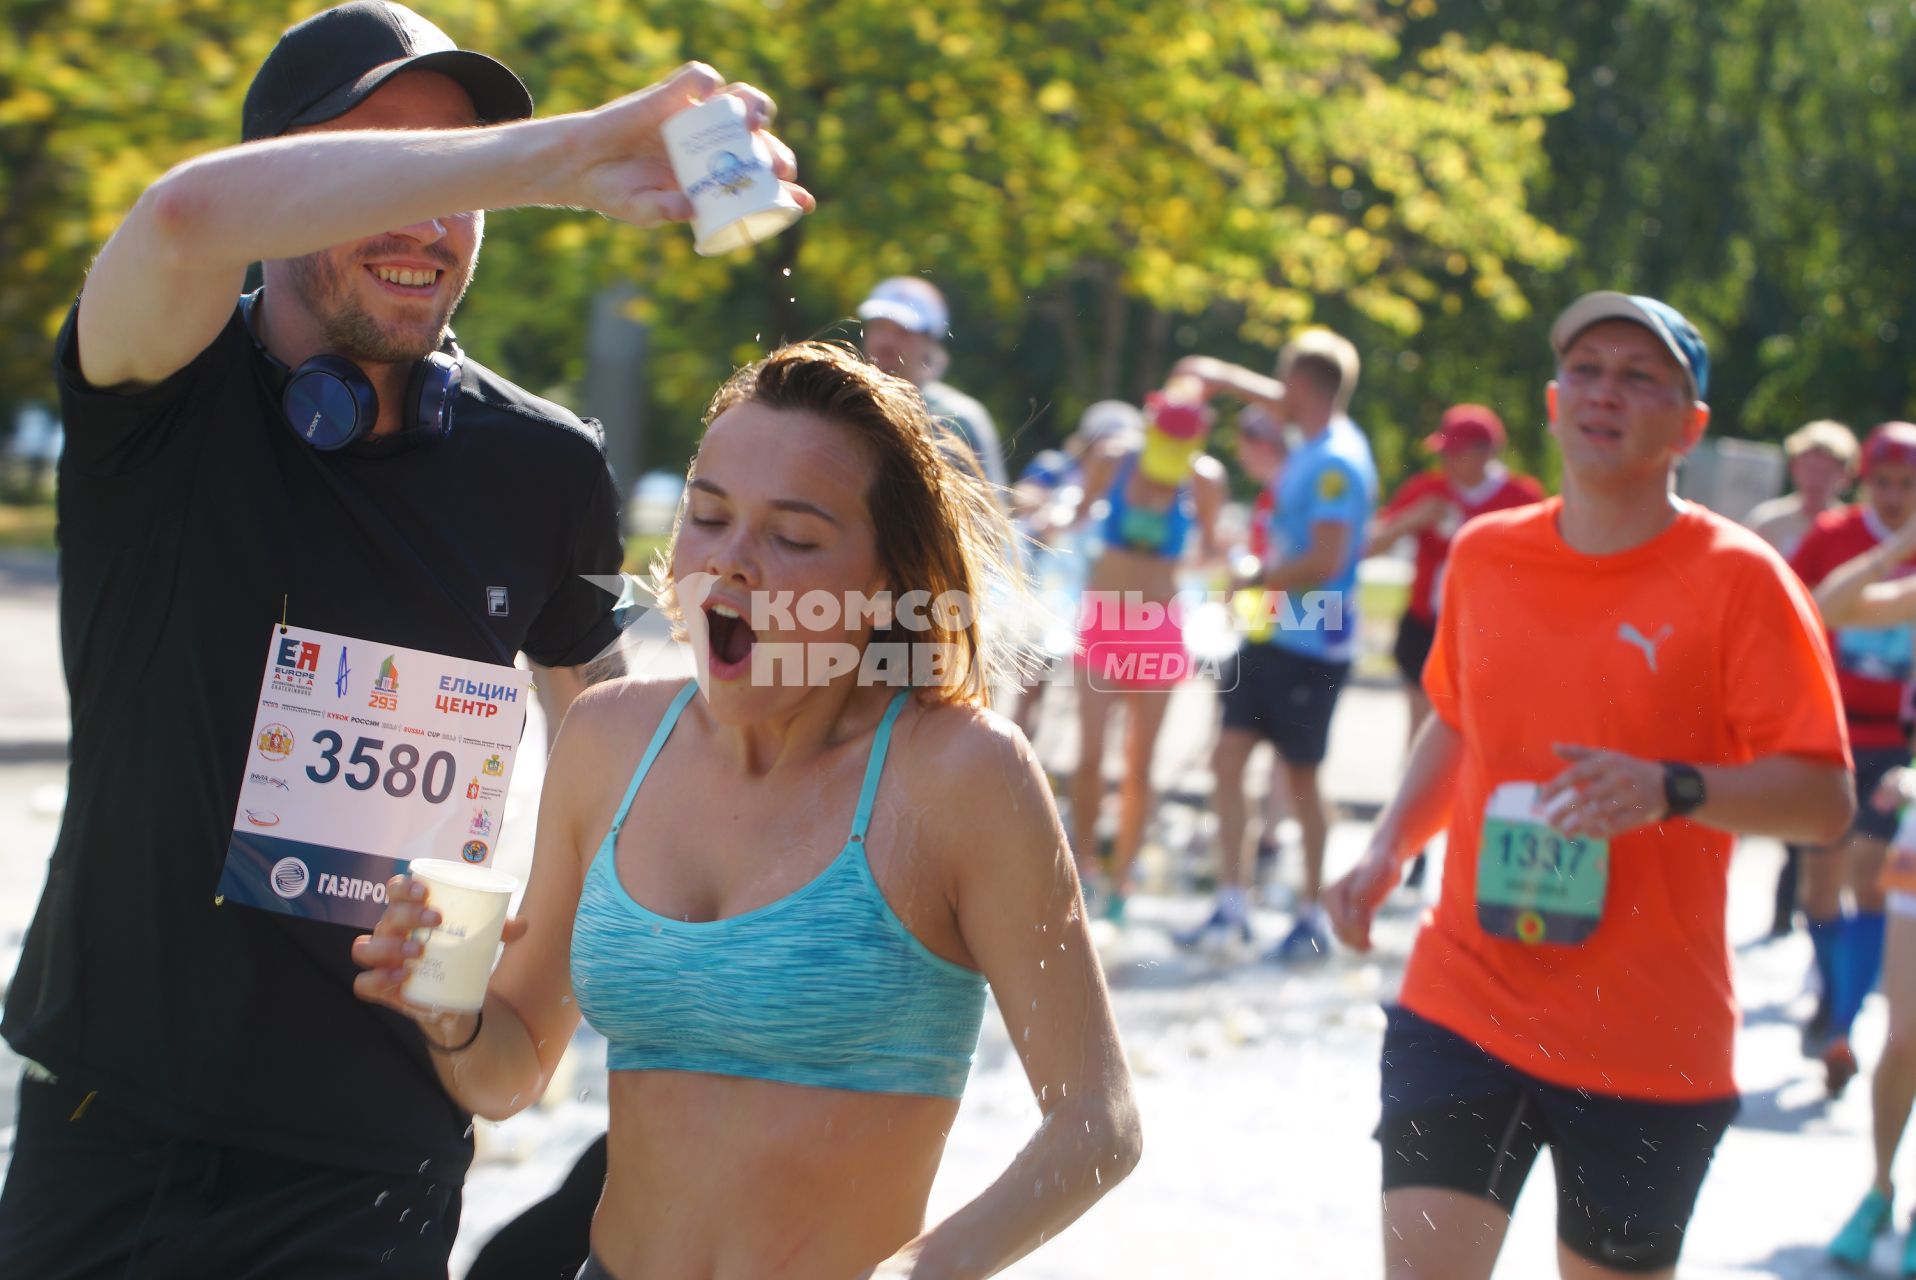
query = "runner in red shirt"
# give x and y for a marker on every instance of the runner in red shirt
(1620, 681)
(1470, 480)
(1873, 590)
(1873, 667)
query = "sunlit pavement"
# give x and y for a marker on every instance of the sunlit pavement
(1258, 1086)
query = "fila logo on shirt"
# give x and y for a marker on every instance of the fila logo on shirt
(496, 604)
(1628, 633)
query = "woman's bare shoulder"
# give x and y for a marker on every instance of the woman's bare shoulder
(971, 762)
(609, 712)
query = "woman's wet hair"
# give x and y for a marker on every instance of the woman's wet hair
(937, 524)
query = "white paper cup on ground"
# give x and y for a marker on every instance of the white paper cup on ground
(452, 971)
(736, 198)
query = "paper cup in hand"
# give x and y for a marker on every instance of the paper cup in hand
(457, 960)
(736, 198)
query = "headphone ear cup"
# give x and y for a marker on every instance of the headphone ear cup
(433, 391)
(329, 403)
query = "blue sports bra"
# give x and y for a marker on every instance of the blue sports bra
(1160, 533)
(824, 987)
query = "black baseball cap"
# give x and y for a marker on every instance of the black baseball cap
(333, 61)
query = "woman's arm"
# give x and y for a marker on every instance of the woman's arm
(1022, 919)
(1854, 594)
(529, 1013)
(1207, 495)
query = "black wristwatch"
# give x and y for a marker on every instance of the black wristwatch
(1682, 789)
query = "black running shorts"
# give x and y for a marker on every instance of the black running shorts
(1415, 635)
(1871, 764)
(1284, 698)
(94, 1193)
(1628, 1171)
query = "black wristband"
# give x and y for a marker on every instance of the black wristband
(478, 1022)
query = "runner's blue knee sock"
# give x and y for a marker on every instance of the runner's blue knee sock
(1861, 963)
(1825, 940)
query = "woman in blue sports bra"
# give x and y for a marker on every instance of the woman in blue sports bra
(1158, 492)
(781, 889)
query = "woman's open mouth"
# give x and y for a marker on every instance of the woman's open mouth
(729, 640)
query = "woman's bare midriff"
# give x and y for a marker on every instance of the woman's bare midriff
(724, 1178)
(1153, 577)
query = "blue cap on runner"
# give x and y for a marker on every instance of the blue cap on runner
(1660, 318)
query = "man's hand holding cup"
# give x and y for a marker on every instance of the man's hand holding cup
(625, 170)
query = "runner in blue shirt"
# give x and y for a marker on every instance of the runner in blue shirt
(1286, 686)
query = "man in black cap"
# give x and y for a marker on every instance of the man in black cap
(206, 1097)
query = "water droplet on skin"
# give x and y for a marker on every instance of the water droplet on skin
(1044, 1091)
(1098, 1174)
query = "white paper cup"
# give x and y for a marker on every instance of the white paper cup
(736, 198)
(459, 952)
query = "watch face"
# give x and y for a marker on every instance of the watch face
(1682, 789)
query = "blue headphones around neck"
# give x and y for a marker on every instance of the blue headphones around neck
(330, 403)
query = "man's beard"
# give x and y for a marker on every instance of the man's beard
(348, 329)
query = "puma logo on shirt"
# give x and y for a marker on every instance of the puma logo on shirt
(1628, 633)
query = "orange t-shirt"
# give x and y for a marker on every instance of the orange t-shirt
(1699, 646)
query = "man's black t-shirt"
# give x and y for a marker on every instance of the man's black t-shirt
(187, 512)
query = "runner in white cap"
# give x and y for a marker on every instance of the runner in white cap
(1822, 458)
(906, 324)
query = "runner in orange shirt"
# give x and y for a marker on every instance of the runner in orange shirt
(1620, 681)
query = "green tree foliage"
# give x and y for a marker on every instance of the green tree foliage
(1099, 184)
(1746, 159)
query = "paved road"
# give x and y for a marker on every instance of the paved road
(33, 703)
(1258, 1086)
